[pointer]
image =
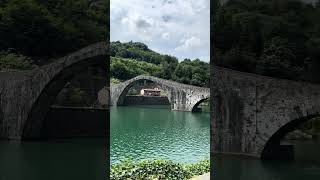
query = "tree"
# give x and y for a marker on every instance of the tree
(12, 61)
(277, 59)
(246, 33)
(47, 29)
(136, 58)
(119, 70)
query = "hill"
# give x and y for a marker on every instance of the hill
(47, 29)
(278, 38)
(134, 58)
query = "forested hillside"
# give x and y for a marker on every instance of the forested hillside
(279, 38)
(46, 29)
(133, 58)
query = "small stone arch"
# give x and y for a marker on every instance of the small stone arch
(272, 148)
(194, 108)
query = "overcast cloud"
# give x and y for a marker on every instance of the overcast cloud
(176, 27)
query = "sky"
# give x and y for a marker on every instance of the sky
(180, 28)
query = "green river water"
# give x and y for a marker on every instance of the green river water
(156, 132)
(147, 132)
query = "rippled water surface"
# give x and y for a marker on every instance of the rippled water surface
(149, 132)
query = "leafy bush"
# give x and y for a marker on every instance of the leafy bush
(157, 169)
(114, 81)
(198, 168)
(77, 97)
(124, 69)
(10, 61)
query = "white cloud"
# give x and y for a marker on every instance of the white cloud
(166, 25)
(190, 44)
(165, 36)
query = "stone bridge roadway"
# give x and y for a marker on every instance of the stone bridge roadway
(26, 96)
(182, 97)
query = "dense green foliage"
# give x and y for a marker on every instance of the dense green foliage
(44, 29)
(194, 72)
(76, 97)
(133, 58)
(157, 169)
(279, 38)
(311, 127)
(128, 68)
(141, 52)
(11, 61)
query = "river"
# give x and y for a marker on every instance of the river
(80, 159)
(147, 132)
(305, 166)
(156, 132)
(235, 168)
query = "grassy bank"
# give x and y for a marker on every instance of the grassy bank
(157, 170)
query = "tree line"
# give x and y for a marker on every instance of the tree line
(279, 38)
(46, 29)
(134, 58)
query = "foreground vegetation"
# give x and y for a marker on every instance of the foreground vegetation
(12, 61)
(157, 170)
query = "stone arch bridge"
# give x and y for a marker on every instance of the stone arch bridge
(26, 96)
(182, 97)
(250, 113)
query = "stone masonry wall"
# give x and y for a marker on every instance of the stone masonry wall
(20, 90)
(249, 109)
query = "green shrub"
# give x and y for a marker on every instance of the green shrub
(10, 61)
(76, 97)
(157, 169)
(199, 168)
(114, 81)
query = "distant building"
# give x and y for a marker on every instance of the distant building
(150, 92)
